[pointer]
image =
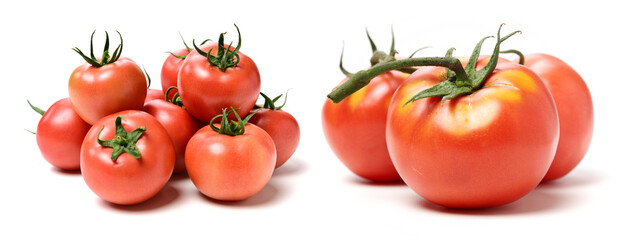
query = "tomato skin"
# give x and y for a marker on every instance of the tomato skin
(283, 128)
(230, 168)
(153, 94)
(60, 134)
(128, 180)
(205, 89)
(179, 125)
(482, 150)
(170, 70)
(355, 128)
(97, 92)
(575, 111)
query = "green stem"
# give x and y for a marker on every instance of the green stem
(362, 78)
(36, 109)
(521, 57)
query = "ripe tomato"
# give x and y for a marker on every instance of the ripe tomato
(355, 128)
(125, 179)
(230, 168)
(179, 125)
(282, 128)
(153, 94)
(60, 134)
(101, 87)
(575, 111)
(485, 149)
(170, 69)
(207, 88)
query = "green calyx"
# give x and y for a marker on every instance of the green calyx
(225, 58)
(231, 127)
(460, 81)
(269, 103)
(123, 141)
(379, 57)
(36, 109)
(106, 57)
(177, 100)
(188, 48)
(521, 57)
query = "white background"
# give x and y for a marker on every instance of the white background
(296, 45)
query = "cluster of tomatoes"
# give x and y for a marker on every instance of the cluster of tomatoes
(466, 132)
(127, 140)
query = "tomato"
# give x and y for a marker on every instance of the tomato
(123, 178)
(230, 168)
(179, 125)
(207, 88)
(575, 111)
(60, 134)
(101, 87)
(355, 128)
(481, 150)
(282, 127)
(170, 69)
(153, 94)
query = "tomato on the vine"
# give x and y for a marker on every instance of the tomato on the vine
(60, 134)
(231, 160)
(282, 127)
(101, 87)
(127, 157)
(218, 76)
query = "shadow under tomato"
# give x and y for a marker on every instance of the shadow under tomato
(166, 196)
(292, 166)
(179, 176)
(577, 178)
(267, 195)
(66, 172)
(366, 182)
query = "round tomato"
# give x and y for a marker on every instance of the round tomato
(355, 128)
(171, 67)
(485, 149)
(127, 157)
(60, 134)
(282, 128)
(575, 111)
(179, 125)
(224, 79)
(227, 167)
(101, 87)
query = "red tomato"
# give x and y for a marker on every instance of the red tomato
(485, 149)
(153, 94)
(170, 69)
(282, 128)
(126, 179)
(355, 128)
(230, 168)
(60, 134)
(575, 111)
(179, 125)
(206, 89)
(101, 87)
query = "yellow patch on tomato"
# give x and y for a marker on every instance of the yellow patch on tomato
(519, 78)
(355, 99)
(467, 115)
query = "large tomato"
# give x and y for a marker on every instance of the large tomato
(224, 79)
(179, 125)
(101, 87)
(355, 128)
(60, 134)
(575, 111)
(230, 167)
(485, 149)
(127, 157)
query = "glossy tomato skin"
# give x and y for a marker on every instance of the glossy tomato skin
(230, 168)
(97, 92)
(205, 89)
(60, 134)
(170, 70)
(575, 111)
(153, 94)
(355, 128)
(179, 125)
(283, 128)
(127, 180)
(482, 150)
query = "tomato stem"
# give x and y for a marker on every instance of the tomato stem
(176, 99)
(36, 109)
(521, 57)
(225, 58)
(270, 103)
(231, 127)
(123, 141)
(106, 57)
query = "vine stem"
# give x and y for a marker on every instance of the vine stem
(363, 77)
